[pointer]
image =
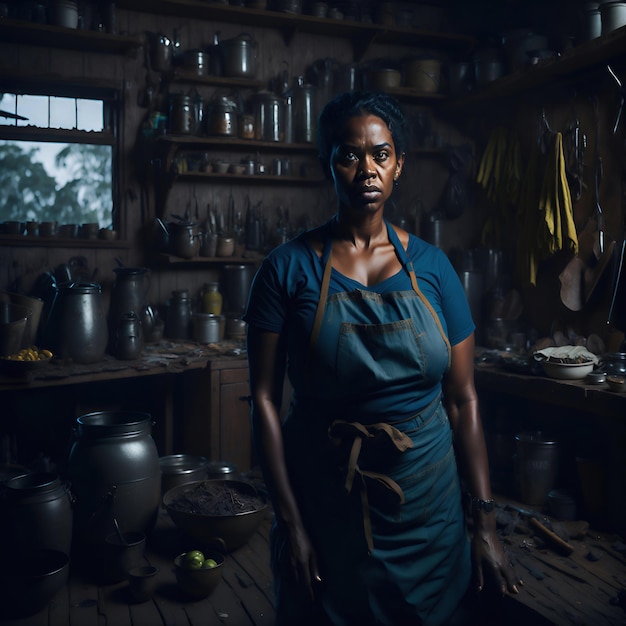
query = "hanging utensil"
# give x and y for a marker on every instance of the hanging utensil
(620, 265)
(622, 98)
(599, 213)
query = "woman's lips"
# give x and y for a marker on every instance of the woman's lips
(368, 193)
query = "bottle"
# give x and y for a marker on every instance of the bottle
(212, 299)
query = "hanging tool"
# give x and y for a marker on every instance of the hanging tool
(620, 265)
(622, 93)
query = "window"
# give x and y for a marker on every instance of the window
(58, 155)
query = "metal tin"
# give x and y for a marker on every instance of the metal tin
(207, 327)
(182, 117)
(596, 378)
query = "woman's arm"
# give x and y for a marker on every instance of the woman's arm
(266, 357)
(461, 402)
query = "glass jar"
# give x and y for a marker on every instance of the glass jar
(223, 119)
(212, 299)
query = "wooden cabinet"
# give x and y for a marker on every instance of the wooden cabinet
(216, 414)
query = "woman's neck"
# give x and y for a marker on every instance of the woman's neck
(361, 233)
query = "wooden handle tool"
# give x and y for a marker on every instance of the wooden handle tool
(551, 536)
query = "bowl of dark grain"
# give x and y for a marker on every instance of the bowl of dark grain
(206, 510)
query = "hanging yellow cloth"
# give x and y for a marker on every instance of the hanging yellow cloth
(545, 215)
(557, 230)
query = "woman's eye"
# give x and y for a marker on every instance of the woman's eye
(381, 156)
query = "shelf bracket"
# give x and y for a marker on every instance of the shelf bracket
(289, 32)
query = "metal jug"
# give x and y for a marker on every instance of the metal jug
(129, 337)
(77, 327)
(129, 293)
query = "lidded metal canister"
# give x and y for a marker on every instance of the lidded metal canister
(183, 114)
(114, 471)
(268, 116)
(38, 513)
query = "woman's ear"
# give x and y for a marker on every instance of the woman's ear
(399, 166)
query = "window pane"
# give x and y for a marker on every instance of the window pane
(90, 115)
(66, 183)
(7, 103)
(35, 109)
(62, 112)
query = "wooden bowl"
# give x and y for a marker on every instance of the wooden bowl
(233, 529)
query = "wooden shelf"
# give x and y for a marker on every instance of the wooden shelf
(169, 259)
(55, 242)
(587, 58)
(574, 394)
(17, 31)
(250, 179)
(233, 143)
(361, 34)
(179, 76)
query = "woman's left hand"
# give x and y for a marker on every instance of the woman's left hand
(487, 552)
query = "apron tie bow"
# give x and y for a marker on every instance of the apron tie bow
(372, 446)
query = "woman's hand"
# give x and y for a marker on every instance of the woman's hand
(487, 552)
(303, 560)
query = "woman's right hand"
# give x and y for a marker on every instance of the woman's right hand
(303, 560)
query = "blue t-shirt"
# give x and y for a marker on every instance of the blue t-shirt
(286, 289)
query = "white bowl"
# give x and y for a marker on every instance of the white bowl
(567, 371)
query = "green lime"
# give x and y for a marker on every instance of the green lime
(209, 564)
(193, 559)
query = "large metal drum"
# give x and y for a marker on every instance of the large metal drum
(114, 471)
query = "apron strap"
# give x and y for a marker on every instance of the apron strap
(319, 313)
(408, 266)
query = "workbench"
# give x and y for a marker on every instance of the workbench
(171, 381)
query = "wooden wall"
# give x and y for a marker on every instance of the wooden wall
(423, 183)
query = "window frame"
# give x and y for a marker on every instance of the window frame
(112, 98)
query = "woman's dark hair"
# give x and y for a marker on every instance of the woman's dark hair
(334, 116)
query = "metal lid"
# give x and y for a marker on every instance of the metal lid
(221, 468)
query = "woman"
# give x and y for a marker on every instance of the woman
(375, 331)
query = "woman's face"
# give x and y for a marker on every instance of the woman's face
(364, 164)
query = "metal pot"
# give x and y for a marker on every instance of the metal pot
(239, 56)
(184, 239)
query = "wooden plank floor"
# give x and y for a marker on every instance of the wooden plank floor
(243, 598)
(558, 589)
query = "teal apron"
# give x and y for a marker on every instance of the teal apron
(379, 494)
